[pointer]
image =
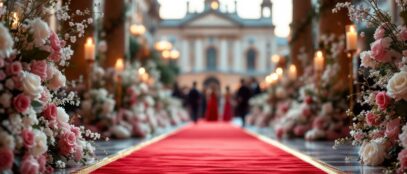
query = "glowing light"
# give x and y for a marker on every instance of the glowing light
(119, 66)
(214, 5)
(137, 30)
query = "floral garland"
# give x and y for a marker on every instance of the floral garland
(35, 133)
(314, 117)
(381, 129)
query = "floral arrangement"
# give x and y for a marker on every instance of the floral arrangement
(35, 131)
(314, 116)
(381, 128)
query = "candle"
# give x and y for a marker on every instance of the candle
(14, 25)
(319, 61)
(137, 30)
(274, 78)
(279, 72)
(89, 49)
(351, 38)
(119, 66)
(292, 72)
(174, 54)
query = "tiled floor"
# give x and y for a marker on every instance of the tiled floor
(344, 158)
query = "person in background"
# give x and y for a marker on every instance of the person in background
(242, 97)
(211, 113)
(177, 92)
(194, 98)
(227, 107)
(202, 108)
(255, 87)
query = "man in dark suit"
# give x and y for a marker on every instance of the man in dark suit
(243, 96)
(194, 102)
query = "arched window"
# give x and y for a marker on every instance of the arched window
(211, 59)
(251, 59)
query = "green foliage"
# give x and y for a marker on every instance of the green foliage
(134, 47)
(34, 54)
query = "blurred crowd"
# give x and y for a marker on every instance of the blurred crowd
(211, 103)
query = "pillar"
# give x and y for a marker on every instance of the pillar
(115, 26)
(199, 62)
(302, 36)
(237, 53)
(184, 62)
(78, 65)
(224, 55)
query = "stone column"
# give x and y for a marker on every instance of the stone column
(116, 28)
(302, 39)
(78, 65)
(237, 53)
(224, 55)
(199, 61)
(184, 62)
(261, 56)
(335, 23)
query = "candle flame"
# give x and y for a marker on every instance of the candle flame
(279, 71)
(89, 41)
(119, 66)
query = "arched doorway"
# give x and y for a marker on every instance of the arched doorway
(211, 59)
(211, 80)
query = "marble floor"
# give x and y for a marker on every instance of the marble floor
(343, 158)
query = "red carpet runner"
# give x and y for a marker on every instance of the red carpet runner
(210, 148)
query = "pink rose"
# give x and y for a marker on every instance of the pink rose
(379, 33)
(14, 68)
(377, 134)
(42, 162)
(300, 130)
(45, 96)
(50, 112)
(6, 158)
(56, 48)
(2, 63)
(319, 123)
(28, 138)
(402, 157)
(21, 103)
(76, 131)
(2, 75)
(372, 119)
(393, 129)
(358, 136)
(66, 143)
(279, 133)
(382, 100)
(403, 34)
(380, 50)
(39, 68)
(17, 82)
(308, 99)
(29, 165)
(306, 112)
(78, 153)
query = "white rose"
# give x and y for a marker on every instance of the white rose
(5, 100)
(372, 153)
(149, 100)
(7, 140)
(367, 60)
(57, 81)
(40, 31)
(62, 116)
(327, 108)
(120, 132)
(314, 134)
(31, 84)
(6, 42)
(108, 106)
(51, 70)
(403, 137)
(397, 86)
(40, 143)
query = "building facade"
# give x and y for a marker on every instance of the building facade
(221, 47)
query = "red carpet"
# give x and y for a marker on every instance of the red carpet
(210, 148)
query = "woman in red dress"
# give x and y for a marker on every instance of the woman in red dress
(211, 113)
(227, 108)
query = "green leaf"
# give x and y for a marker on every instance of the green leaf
(34, 54)
(37, 105)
